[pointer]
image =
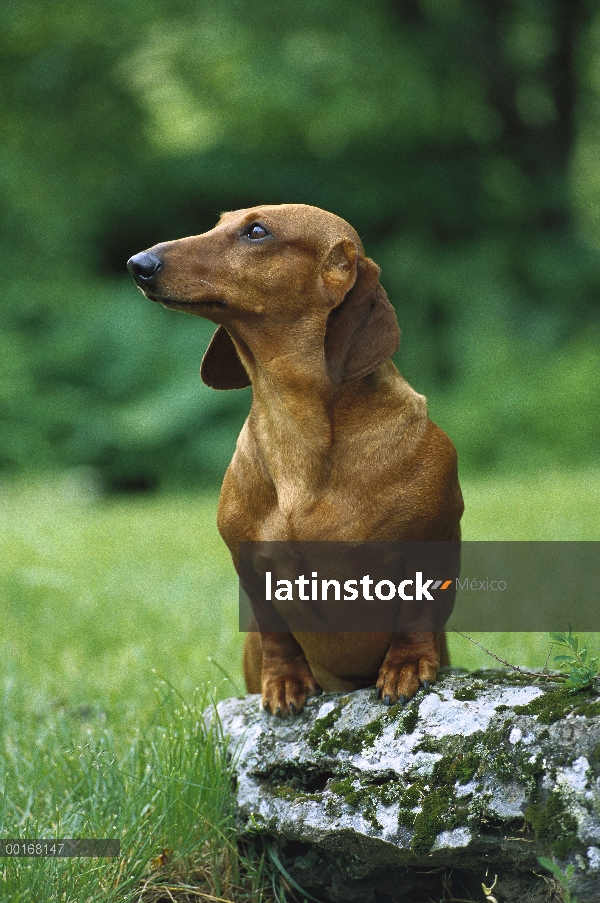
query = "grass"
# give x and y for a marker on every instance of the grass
(163, 792)
(113, 613)
(551, 505)
(97, 594)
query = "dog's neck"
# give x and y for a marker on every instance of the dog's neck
(305, 427)
(287, 372)
(293, 421)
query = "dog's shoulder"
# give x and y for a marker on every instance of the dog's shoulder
(436, 478)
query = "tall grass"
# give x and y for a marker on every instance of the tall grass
(164, 791)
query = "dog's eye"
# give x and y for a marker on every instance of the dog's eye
(255, 231)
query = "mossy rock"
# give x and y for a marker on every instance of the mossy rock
(484, 771)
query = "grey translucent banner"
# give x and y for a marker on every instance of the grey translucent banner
(53, 848)
(419, 586)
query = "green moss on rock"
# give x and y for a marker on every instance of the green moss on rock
(321, 727)
(468, 694)
(409, 721)
(358, 796)
(441, 810)
(346, 789)
(591, 710)
(554, 826)
(283, 791)
(366, 797)
(352, 741)
(434, 745)
(557, 704)
(326, 740)
(431, 819)
(460, 769)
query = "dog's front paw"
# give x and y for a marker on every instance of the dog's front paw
(285, 694)
(412, 660)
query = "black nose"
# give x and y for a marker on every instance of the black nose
(144, 267)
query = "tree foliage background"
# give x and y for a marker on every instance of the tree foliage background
(460, 138)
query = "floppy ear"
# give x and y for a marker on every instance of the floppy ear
(221, 367)
(362, 330)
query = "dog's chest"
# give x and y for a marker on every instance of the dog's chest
(276, 490)
(334, 514)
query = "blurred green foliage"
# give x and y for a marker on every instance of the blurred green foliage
(459, 138)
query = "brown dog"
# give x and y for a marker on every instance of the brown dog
(337, 446)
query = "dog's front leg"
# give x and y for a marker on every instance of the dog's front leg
(411, 660)
(287, 680)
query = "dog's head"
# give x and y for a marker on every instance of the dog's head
(269, 274)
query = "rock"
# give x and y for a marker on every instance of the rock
(475, 779)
